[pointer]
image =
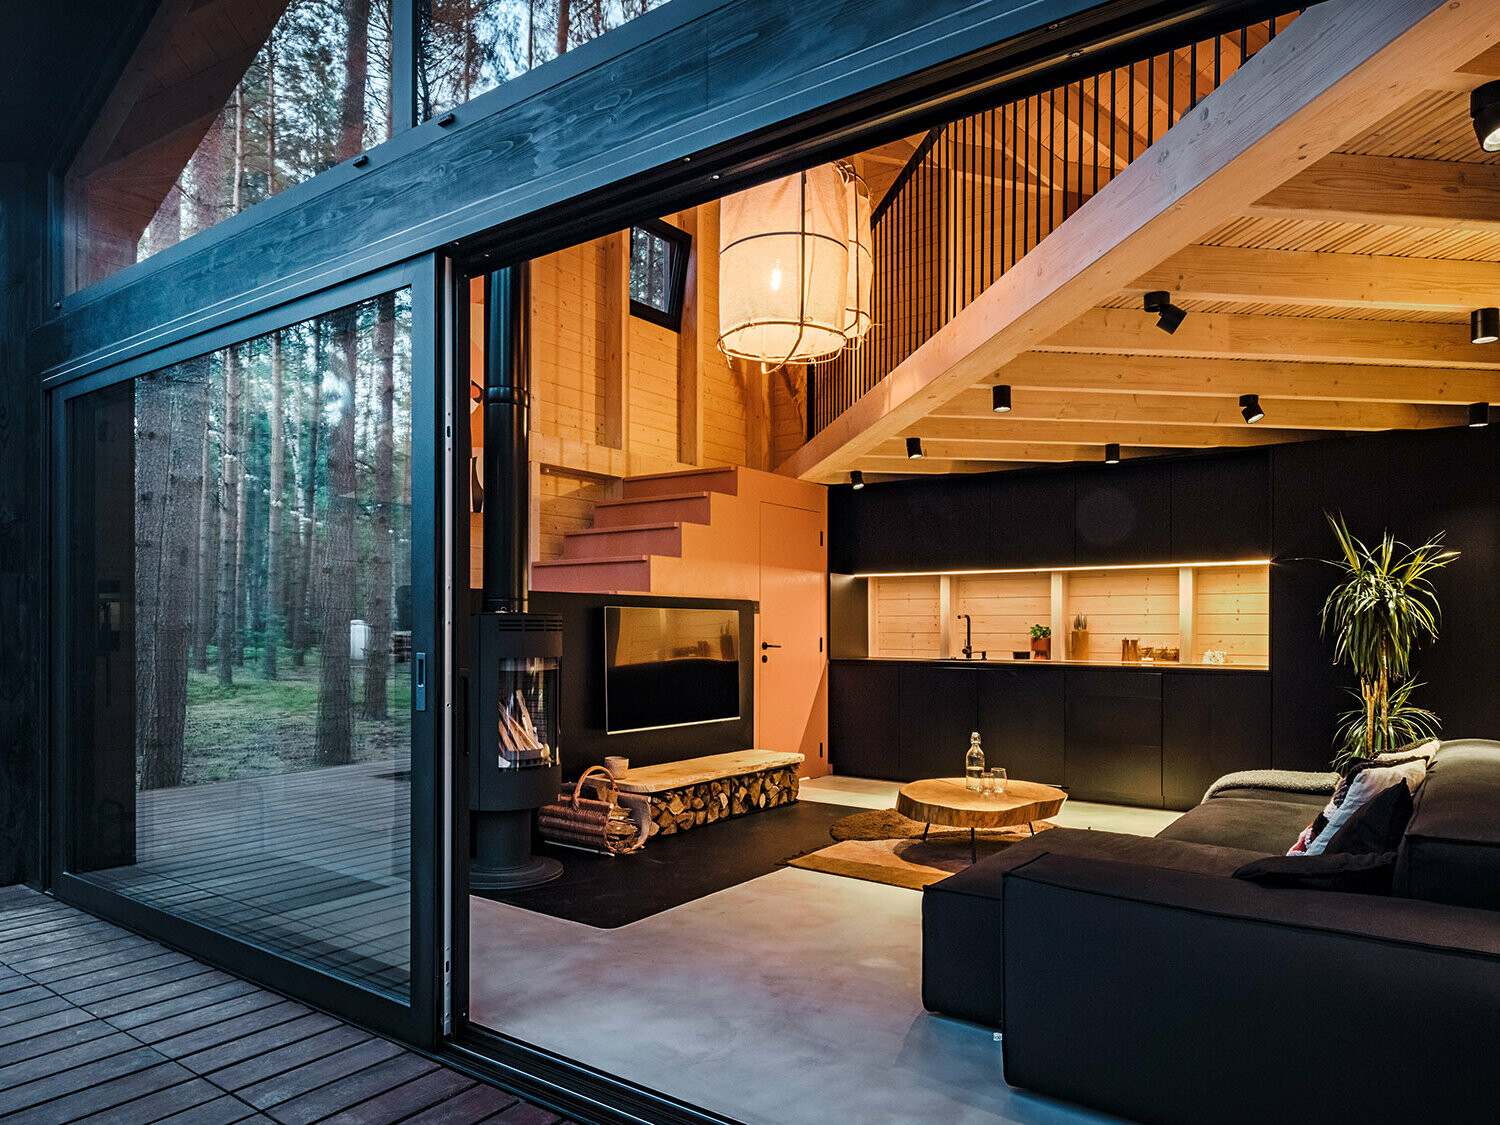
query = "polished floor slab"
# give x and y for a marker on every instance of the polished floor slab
(794, 998)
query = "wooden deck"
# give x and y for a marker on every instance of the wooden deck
(315, 865)
(100, 1025)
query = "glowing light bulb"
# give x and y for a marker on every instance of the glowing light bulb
(775, 278)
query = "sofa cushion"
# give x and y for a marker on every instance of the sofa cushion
(1368, 873)
(1312, 800)
(1451, 850)
(1261, 826)
(1377, 827)
(1358, 788)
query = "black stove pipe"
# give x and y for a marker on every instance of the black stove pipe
(507, 410)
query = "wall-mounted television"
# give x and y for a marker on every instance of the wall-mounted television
(668, 667)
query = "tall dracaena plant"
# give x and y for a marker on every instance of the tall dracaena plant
(1382, 608)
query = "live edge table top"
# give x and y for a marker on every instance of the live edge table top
(947, 801)
(696, 771)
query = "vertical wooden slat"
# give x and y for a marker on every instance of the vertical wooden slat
(614, 419)
(702, 224)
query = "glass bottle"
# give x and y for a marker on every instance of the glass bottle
(974, 764)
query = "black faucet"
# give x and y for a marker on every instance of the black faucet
(968, 636)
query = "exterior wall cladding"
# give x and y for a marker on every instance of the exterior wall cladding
(657, 108)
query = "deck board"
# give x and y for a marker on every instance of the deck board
(128, 1032)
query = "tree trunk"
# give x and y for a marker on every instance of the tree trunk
(308, 525)
(274, 518)
(229, 506)
(167, 487)
(335, 696)
(203, 616)
(356, 71)
(564, 25)
(378, 653)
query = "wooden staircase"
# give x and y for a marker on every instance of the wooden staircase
(657, 537)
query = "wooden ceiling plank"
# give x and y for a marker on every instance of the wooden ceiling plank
(1245, 336)
(1334, 72)
(1389, 190)
(1202, 410)
(1295, 277)
(1051, 372)
(993, 429)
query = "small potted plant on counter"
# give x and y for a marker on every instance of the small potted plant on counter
(1041, 642)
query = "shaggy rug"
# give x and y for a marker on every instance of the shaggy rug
(882, 846)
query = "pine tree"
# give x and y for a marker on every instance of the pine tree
(229, 506)
(378, 653)
(274, 516)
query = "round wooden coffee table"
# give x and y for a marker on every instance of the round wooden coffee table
(946, 801)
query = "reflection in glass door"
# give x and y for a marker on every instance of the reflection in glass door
(240, 651)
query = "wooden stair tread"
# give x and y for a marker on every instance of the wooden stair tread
(695, 771)
(626, 529)
(715, 470)
(653, 499)
(612, 560)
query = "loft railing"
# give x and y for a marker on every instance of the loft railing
(980, 192)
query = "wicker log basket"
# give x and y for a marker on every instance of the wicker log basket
(611, 822)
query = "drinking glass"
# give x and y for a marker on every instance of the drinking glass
(994, 781)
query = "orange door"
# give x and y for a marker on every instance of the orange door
(791, 661)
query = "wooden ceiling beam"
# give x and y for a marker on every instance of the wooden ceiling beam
(890, 457)
(1165, 376)
(1333, 73)
(894, 467)
(1296, 277)
(1222, 409)
(999, 428)
(1298, 338)
(1389, 190)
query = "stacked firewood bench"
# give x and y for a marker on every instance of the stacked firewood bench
(698, 791)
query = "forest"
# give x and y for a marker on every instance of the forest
(273, 489)
(318, 92)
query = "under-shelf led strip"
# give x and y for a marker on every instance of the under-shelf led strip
(1053, 569)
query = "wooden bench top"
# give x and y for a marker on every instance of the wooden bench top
(695, 771)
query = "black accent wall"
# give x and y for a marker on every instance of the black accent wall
(1257, 503)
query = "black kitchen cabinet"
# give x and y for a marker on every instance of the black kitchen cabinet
(1021, 721)
(1212, 724)
(938, 713)
(863, 719)
(1221, 506)
(1112, 747)
(1122, 514)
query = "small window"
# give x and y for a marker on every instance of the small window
(658, 272)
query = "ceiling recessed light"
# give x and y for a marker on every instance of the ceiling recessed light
(857, 479)
(1479, 414)
(1168, 316)
(1484, 325)
(1484, 108)
(913, 448)
(1250, 408)
(1112, 453)
(1000, 398)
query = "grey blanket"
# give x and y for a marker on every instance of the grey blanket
(1288, 781)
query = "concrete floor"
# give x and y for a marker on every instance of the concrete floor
(793, 998)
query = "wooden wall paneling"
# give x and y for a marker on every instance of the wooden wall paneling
(614, 360)
(567, 342)
(1059, 617)
(1003, 607)
(652, 393)
(1187, 613)
(697, 330)
(1232, 615)
(755, 383)
(906, 619)
(1139, 604)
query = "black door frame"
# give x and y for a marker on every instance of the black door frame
(418, 1020)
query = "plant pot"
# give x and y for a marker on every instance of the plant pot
(1041, 648)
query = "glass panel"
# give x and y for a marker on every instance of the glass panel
(239, 561)
(470, 46)
(650, 269)
(227, 112)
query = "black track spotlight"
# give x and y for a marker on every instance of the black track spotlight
(1168, 316)
(1479, 414)
(1484, 108)
(1112, 453)
(1484, 325)
(1250, 408)
(857, 479)
(1000, 398)
(913, 448)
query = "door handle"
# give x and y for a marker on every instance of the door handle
(765, 645)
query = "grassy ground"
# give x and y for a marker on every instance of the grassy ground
(258, 726)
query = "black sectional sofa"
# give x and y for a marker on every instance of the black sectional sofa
(1135, 975)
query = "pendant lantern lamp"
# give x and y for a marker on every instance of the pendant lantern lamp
(784, 269)
(861, 257)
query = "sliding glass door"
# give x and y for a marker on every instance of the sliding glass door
(247, 629)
